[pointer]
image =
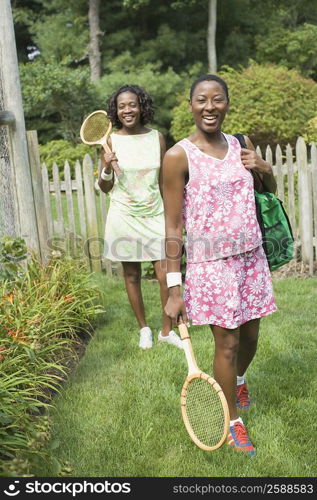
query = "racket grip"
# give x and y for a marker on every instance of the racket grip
(183, 331)
(116, 168)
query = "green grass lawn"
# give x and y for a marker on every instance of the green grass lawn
(119, 413)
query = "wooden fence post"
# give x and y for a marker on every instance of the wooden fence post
(69, 199)
(80, 201)
(93, 246)
(279, 164)
(305, 204)
(314, 181)
(38, 194)
(59, 227)
(291, 189)
(268, 155)
(47, 200)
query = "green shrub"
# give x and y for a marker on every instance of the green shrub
(271, 104)
(13, 251)
(56, 98)
(310, 134)
(60, 151)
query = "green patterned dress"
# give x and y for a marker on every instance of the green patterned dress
(135, 226)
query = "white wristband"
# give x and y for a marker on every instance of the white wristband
(173, 279)
(106, 177)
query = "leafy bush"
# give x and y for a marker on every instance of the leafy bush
(271, 104)
(291, 48)
(56, 98)
(311, 131)
(42, 316)
(13, 251)
(59, 151)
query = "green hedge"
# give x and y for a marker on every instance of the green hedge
(271, 104)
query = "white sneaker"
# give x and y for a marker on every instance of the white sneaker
(146, 338)
(171, 338)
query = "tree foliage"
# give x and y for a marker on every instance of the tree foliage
(265, 101)
(56, 95)
(161, 44)
(59, 151)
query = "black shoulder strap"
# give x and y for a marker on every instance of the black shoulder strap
(257, 179)
(241, 139)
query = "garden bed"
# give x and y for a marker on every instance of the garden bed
(47, 316)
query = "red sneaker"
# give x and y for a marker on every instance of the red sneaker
(243, 401)
(239, 439)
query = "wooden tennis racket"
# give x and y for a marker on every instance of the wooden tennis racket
(95, 130)
(204, 406)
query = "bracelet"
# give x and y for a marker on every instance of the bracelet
(173, 279)
(106, 177)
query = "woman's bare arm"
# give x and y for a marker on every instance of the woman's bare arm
(175, 168)
(105, 163)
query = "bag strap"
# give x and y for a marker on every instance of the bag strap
(260, 188)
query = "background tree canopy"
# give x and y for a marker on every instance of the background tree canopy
(265, 50)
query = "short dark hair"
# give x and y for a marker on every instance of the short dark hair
(208, 77)
(145, 103)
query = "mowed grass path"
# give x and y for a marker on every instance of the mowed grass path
(119, 413)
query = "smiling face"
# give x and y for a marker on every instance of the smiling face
(128, 109)
(209, 105)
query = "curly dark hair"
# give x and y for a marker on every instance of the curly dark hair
(145, 103)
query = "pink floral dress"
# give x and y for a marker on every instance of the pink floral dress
(228, 281)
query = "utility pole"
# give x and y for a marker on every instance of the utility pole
(94, 40)
(211, 36)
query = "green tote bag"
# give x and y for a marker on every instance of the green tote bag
(278, 241)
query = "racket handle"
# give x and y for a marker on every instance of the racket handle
(116, 168)
(183, 331)
(114, 164)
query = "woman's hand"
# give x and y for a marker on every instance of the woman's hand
(252, 161)
(175, 308)
(108, 159)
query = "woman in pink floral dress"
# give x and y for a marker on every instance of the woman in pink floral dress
(208, 189)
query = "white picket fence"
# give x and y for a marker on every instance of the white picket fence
(296, 176)
(84, 239)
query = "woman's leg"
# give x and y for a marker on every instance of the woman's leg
(160, 271)
(249, 333)
(132, 278)
(225, 372)
(225, 364)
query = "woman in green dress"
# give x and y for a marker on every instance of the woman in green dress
(135, 227)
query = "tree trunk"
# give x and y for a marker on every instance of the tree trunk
(94, 40)
(211, 37)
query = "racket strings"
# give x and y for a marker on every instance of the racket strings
(96, 127)
(205, 412)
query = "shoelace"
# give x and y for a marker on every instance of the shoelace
(241, 433)
(243, 394)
